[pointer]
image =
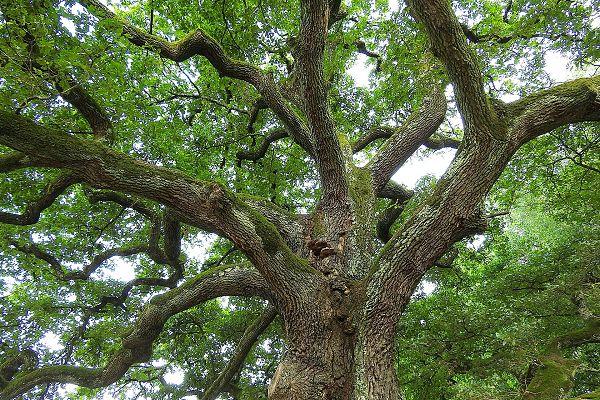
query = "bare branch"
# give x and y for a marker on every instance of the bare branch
(361, 46)
(435, 142)
(200, 43)
(335, 200)
(259, 153)
(386, 220)
(395, 191)
(207, 205)
(379, 132)
(32, 212)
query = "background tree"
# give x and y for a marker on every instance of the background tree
(518, 316)
(129, 130)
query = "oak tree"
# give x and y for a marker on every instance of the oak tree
(130, 128)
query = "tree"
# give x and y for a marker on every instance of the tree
(119, 124)
(516, 318)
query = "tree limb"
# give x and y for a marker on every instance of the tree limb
(137, 343)
(335, 201)
(249, 338)
(68, 88)
(386, 219)
(441, 142)
(418, 127)
(574, 101)
(14, 161)
(259, 153)
(65, 275)
(449, 44)
(395, 191)
(436, 142)
(32, 212)
(376, 133)
(200, 43)
(206, 205)
(138, 205)
(361, 46)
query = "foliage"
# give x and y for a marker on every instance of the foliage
(490, 317)
(506, 300)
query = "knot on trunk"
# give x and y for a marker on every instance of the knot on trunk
(474, 224)
(320, 248)
(342, 304)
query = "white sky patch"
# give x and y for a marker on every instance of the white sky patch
(71, 297)
(67, 23)
(197, 246)
(66, 389)
(8, 283)
(122, 270)
(161, 362)
(51, 341)
(557, 66)
(175, 376)
(224, 301)
(416, 167)
(476, 242)
(425, 288)
(360, 71)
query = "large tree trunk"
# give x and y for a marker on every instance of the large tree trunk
(319, 364)
(333, 352)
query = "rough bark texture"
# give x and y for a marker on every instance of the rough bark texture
(339, 293)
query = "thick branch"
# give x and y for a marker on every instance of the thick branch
(69, 89)
(249, 338)
(206, 205)
(95, 196)
(567, 103)
(385, 132)
(335, 201)
(449, 44)
(14, 161)
(137, 344)
(62, 273)
(386, 219)
(20, 361)
(590, 333)
(89, 108)
(419, 126)
(379, 132)
(441, 142)
(395, 191)
(32, 212)
(286, 223)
